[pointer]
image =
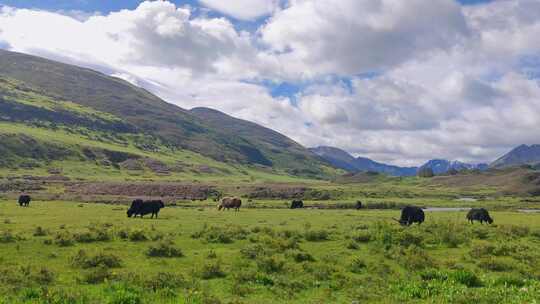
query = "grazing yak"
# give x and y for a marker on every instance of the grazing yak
(411, 215)
(297, 204)
(230, 202)
(480, 214)
(140, 207)
(358, 205)
(24, 200)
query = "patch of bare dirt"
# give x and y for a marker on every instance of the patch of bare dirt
(171, 190)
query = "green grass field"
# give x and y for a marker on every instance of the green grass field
(66, 252)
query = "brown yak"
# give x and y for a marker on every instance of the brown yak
(230, 202)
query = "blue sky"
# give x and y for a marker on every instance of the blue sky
(455, 82)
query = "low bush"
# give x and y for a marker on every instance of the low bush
(357, 265)
(316, 235)
(44, 276)
(514, 231)
(407, 238)
(163, 280)
(300, 256)
(362, 237)
(125, 294)
(164, 250)
(415, 258)
(221, 235)
(212, 270)
(353, 245)
(481, 249)
(40, 231)
(510, 279)
(97, 275)
(271, 264)
(495, 264)
(253, 251)
(137, 235)
(83, 260)
(64, 239)
(8, 237)
(466, 278)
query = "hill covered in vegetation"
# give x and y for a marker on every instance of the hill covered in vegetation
(52, 112)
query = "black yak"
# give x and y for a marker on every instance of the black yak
(140, 207)
(230, 202)
(480, 214)
(24, 200)
(411, 215)
(358, 205)
(297, 204)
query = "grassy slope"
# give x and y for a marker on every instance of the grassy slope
(88, 170)
(282, 151)
(134, 106)
(343, 269)
(71, 127)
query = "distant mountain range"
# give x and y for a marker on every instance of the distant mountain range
(521, 155)
(343, 160)
(441, 166)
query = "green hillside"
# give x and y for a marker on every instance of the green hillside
(57, 115)
(53, 95)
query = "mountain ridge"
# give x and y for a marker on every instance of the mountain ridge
(520, 155)
(136, 109)
(344, 160)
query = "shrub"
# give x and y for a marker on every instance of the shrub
(481, 249)
(164, 250)
(415, 258)
(138, 235)
(514, 231)
(7, 237)
(83, 260)
(451, 234)
(279, 244)
(357, 265)
(44, 276)
(221, 235)
(97, 275)
(211, 254)
(480, 232)
(321, 271)
(271, 264)
(466, 278)
(362, 237)
(253, 251)
(300, 256)
(495, 264)
(39, 231)
(407, 238)
(64, 239)
(316, 235)
(353, 245)
(508, 280)
(433, 275)
(212, 270)
(124, 294)
(163, 280)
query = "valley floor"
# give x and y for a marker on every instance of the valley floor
(67, 252)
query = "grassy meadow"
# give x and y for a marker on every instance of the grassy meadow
(67, 252)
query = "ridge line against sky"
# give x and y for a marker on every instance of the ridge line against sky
(371, 77)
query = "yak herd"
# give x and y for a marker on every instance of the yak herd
(409, 214)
